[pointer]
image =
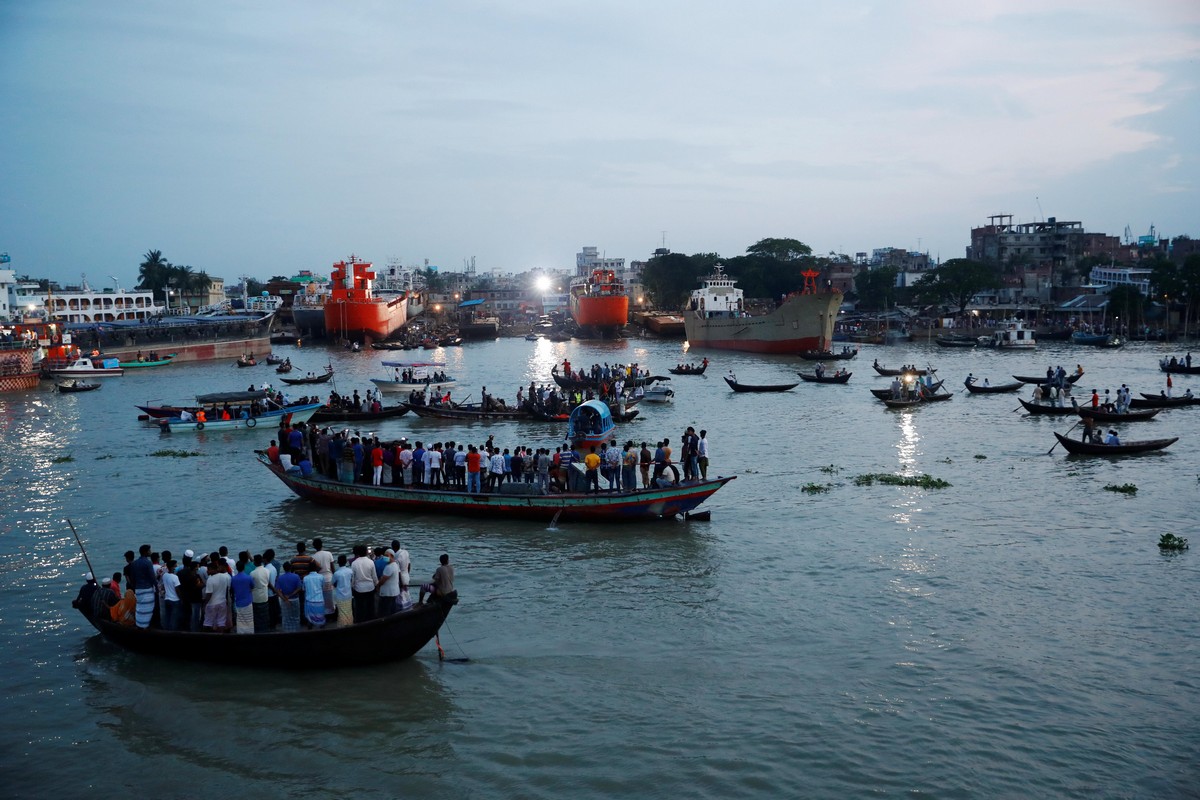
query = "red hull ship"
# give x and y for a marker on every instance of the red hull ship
(600, 304)
(352, 311)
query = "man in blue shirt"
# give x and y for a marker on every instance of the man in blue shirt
(141, 571)
(418, 465)
(243, 598)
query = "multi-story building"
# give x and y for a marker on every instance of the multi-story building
(589, 259)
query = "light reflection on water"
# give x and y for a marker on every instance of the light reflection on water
(887, 630)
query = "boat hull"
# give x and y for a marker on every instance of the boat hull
(309, 318)
(802, 322)
(392, 638)
(646, 504)
(1128, 448)
(607, 313)
(269, 420)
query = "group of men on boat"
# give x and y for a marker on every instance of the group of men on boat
(409, 375)
(1093, 435)
(350, 457)
(372, 403)
(819, 371)
(1185, 361)
(259, 593)
(602, 372)
(142, 359)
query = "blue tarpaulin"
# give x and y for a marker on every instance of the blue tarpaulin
(469, 303)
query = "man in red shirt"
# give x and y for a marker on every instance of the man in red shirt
(473, 461)
(273, 452)
(377, 464)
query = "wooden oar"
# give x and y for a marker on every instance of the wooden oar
(82, 549)
(1056, 442)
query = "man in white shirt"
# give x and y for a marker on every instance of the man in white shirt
(263, 588)
(363, 584)
(702, 453)
(172, 616)
(324, 561)
(389, 585)
(433, 466)
(495, 469)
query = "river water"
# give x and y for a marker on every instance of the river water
(1016, 634)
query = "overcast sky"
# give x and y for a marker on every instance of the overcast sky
(262, 138)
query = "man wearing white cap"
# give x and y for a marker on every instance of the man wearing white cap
(84, 599)
(389, 584)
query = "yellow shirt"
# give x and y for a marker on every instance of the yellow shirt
(591, 461)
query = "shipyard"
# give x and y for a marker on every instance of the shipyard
(794, 399)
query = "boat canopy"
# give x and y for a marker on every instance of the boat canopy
(230, 397)
(590, 422)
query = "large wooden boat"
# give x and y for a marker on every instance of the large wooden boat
(717, 317)
(1179, 367)
(625, 506)
(589, 383)
(465, 411)
(1043, 379)
(326, 414)
(957, 340)
(974, 387)
(1096, 339)
(391, 638)
(1100, 415)
(759, 387)
(599, 304)
(812, 377)
(352, 310)
(1125, 448)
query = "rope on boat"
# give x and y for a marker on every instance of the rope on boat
(442, 653)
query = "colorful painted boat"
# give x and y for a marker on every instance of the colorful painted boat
(599, 304)
(87, 366)
(590, 423)
(391, 638)
(268, 419)
(158, 362)
(352, 310)
(717, 317)
(625, 506)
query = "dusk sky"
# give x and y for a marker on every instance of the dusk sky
(263, 138)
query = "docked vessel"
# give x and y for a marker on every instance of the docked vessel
(599, 304)
(716, 317)
(1013, 335)
(17, 369)
(308, 310)
(352, 310)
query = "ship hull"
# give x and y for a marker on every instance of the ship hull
(309, 319)
(608, 313)
(802, 322)
(376, 318)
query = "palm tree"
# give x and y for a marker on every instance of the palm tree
(154, 271)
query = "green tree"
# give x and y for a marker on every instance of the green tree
(154, 272)
(670, 277)
(955, 282)
(876, 288)
(1127, 306)
(782, 250)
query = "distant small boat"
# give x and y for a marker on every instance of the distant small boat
(1096, 339)
(1179, 367)
(957, 340)
(974, 387)
(658, 394)
(1044, 379)
(751, 387)
(892, 373)
(812, 377)
(828, 355)
(1046, 409)
(76, 386)
(158, 362)
(323, 378)
(1100, 415)
(689, 369)
(247, 361)
(1162, 401)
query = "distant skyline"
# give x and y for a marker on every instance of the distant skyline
(269, 137)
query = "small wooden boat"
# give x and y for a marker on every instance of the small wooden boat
(391, 638)
(812, 377)
(1179, 367)
(284, 368)
(892, 373)
(326, 414)
(1042, 379)
(885, 393)
(246, 361)
(975, 388)
(1125, 448)
(957, 340)
(752, 387)
(323, 378)
(1043, 409)
(890, 403)
(664, 502)
(935, 397)
(389, 346)
(274, 360)
(76, 386)
(1100, 415)
(1162, 401)
(828, 355)
(689, 369)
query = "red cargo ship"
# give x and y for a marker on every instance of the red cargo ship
(599, 303)
(352, 311)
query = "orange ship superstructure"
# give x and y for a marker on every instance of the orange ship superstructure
(352, 311)
(599, 302)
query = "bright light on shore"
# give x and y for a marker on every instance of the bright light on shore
(542, 284)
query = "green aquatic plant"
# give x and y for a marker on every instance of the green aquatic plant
(1125, 488)
(1169, 541)
(174, 454)
(831, 470)
(814, 488)
(922, 481)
